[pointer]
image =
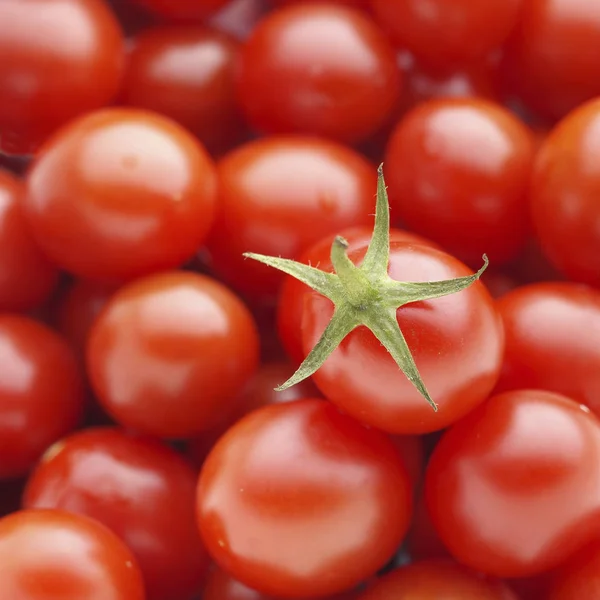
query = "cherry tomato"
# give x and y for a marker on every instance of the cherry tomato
(277, 196)
(513, 489)
(458, 173)
(51, 554)
(297, 499)
(120, 193)
(564, 193)
(579, 578)
(318, 69)
(448, 32)
(41, 392)
(133, 485)
(58, 59)
(549, 344)
(436, 579)
(186, 73)
(178, 10)
(169, 352)
(239, 17)
(27, 278)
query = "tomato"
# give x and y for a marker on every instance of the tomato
(239, 17)
(58, 59)
(132, 485)
(318, 69)
(553, 58)
(120, 193)
(579, 578)
(422, 541)
(564, 192)
(297, 499)
(27, 278)
(448, 32)
(412, 453)
(277, 196)
(355, 3)
(182, 9)
(169, 352)
(186, 73)
(548, 341)
(50, 554)
(41, 392)
(512, 489)
(458, 173)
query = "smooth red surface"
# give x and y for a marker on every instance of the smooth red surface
(177, 10)
(48, 554)
(41, 392)
(58, 59)
(513, 489)
(132, 485)
(299, 500)
(169, 352)
(579, 578)
(121, 193)
(319, 69)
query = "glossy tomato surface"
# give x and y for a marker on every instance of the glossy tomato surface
(58, 59)
(319, 69)
(50, 554)
(513, 489)
(169, 352)
(298, 500)
(120, 193)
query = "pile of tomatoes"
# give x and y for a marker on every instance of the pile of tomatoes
(145, 146)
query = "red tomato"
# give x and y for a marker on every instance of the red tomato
(579, 578)
(182, 9)
(50, 554)
(550, 342)
(513, 489)
(444, 335)
(186, 74)
(423, 541)
(412, 453)
(297, 499)
(169, 352)
(41, 392)
(239, 17)
(140, 489)
(319, 69)
(355, 3)
(26, 276)
(564, 194)
(433, 580)
(277, 196)
(458, 172)
(121, 193)
(448, 32)
(58, 59)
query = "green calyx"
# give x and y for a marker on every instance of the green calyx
(365, 295)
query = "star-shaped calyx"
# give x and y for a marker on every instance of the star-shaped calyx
(366, 295)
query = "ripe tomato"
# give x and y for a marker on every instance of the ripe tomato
(58, 59)
(297, 499)
(41, 392)
(458, 173)
(132, 485)
(50, 554)
(178, 10)
(423, 541)
(319, 69)
(564, 194)
(120, 193)
(186, 73)
(513, 489)
(27, 278)
(549, 340)
(277, 196)
(170, 352)
(579, 578)
(239, 17)
(448, 32)
(355, 3)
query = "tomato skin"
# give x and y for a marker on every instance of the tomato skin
(41, 392)
(578, 578)
(512, 489)
(319, 69)
(129, 484)
(182, 10)
(564, 192)
(277, 196)
(120, 193)
(170, 352)
(443, 334)
(458, 172)
(548, 341)
(329, 507)
(43, 84)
